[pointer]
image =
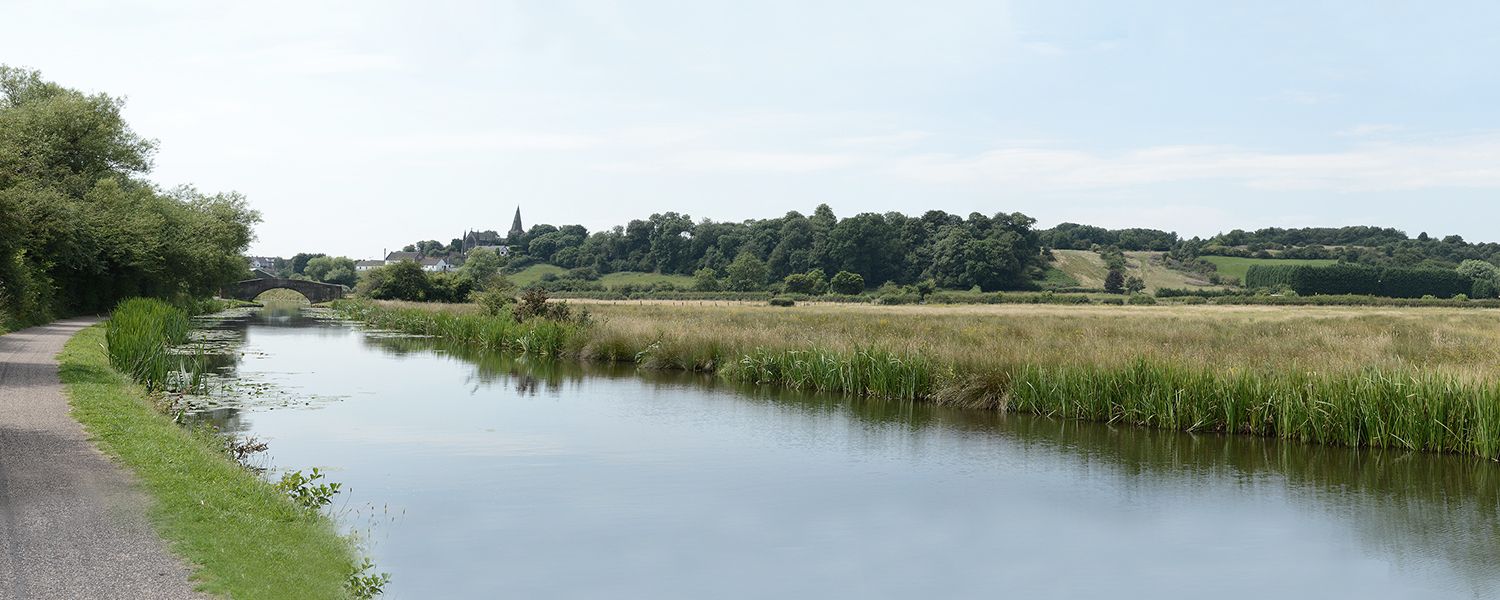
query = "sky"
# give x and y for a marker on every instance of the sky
(359, 127)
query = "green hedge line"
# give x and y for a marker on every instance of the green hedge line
(1360, 280)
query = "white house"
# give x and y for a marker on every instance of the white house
(435, 265)
(366, 265)
(264, 263)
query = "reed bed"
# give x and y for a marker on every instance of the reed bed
(536, 337)
(1418, 379)
(141, 338)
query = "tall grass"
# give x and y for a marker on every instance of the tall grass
(140, 338)
(1418, 381)
(536, 337)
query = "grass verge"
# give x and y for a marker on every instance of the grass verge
(246, 539)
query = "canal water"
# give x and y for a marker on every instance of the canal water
(485, 477)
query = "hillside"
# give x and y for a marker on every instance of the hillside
(534, 273)
(1088, 269)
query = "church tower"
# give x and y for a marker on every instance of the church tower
(516, 231)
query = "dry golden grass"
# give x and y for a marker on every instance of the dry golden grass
(1312, 339)
(1414, 378)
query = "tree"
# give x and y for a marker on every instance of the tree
(797, 283)
(705, 280)
(404, 280)
(818, 281)
(747, 273)
(300, 260)
(482, 265)
(1134, 285)
(328, 268)
(847, 283)
(81, 227)
(1114, 282)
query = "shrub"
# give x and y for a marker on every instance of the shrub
(495, 302)
(797, 283)
(783, 301)
(1141, 300)
(1112, 301)
(847, 283)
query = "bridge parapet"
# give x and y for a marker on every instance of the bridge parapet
(315, 291)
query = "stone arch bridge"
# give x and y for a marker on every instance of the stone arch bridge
(315, 292)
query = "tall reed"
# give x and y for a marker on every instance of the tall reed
(536, 337)
(1396, 404)
(140, 338)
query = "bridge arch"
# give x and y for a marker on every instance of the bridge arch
(315, 292)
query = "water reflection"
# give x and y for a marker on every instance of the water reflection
(540, 466)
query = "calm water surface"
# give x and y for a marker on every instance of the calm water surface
(482, 477)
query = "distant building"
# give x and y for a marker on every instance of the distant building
(264, 263)
(366, 265)
(396, 257)
(516, 231)
(481, 239)
(435, 265)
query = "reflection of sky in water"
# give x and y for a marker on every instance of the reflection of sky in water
(509, 480)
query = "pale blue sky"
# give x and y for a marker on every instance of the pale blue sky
(360, 126)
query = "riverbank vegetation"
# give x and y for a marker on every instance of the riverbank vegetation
(80, 225)
(1413, 379)
(245, 537)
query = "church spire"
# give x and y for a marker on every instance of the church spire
(515, 226)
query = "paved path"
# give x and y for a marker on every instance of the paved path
(72, 523)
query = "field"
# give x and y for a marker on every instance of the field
(1336, 340)
(534, 273)
(1230, 266)
(1088, 269)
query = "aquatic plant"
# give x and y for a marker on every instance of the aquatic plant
(140, 339)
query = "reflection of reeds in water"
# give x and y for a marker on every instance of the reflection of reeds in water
(1413, 507)
(142, 339)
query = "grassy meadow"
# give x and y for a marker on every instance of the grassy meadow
(1406, 378)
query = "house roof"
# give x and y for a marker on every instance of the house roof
(428, 262)
(369, 263)
(403, 256)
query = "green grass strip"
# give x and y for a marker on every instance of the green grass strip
(246, 539)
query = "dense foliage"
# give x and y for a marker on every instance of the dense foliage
(993, 252)
(1392, 282)
(1072, 236)
(80, 226)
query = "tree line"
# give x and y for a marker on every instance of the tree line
(1000, 251)
(81, 227)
